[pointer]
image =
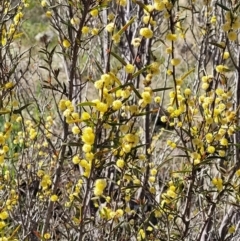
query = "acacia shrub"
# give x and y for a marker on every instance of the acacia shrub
(84, 158)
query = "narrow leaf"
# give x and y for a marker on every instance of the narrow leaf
(43, 67)
(87, 104)
(188, 73)
(99, 67)
(135, 91)
(115, 78)
(140, 71)
(121, 60)
(141, 5)
(4, 112)
(18, 111)
(14, 232)
(119, 87)
(161, 89)
(222, 6)
(216, 44)
(126, 25)
(72, 144)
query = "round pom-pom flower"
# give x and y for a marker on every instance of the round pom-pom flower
(100, 185)
(146, 32)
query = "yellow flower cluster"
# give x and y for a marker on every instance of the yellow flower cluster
(18, 17)
(4, 215)
(172, 144)
(94, 12)
(28, 137)
(68, 111)
(171, 37)
(66, 43)
(218, 182)
(154, 69)
(147, 19)
(10, 32)
(47, 236)
(43, 3)
(175, 61)
(217, 112)
(101, 106)
(120, 163)
(136, 42)
(146, 97)
(129, 68)
(141, 235)
(85, 29)
(169, 196)
(110, 27)
(110, 100)
(48, 14)
(75, 21)
(116, 38)
(117, 104)
(179, 97)
(45, 182)
(100, 185)
(86, 133)
(105, 213)
(122, 3)
(161, 5)
(12, 200)
(146, 32)
(152, 177)
(222, 68)
(88, 136)
(231, 25)
(54, 198)
(115, 214)
(129, 141)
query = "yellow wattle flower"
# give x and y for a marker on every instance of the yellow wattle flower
(232, 36)
(222, 68)
(94, 12)
(175, 61)
(66, 43)
(54, 198)
(146, 32)
(100, 185)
